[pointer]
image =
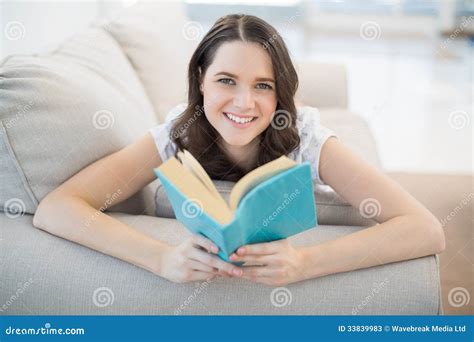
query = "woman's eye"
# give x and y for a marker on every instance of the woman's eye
(264, 86)
(226, 81)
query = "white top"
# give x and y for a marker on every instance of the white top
(312, 137)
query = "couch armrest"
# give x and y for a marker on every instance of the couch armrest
(59, 277)
(322, 84)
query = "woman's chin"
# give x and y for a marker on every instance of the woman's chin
(237, 141)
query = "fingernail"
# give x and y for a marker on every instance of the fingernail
(237, 272)
(215, 249)
(241, 250)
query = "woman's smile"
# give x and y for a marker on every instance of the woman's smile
(239, 121)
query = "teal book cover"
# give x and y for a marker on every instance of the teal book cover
(274, 209)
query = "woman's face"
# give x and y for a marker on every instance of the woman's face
(237, 87)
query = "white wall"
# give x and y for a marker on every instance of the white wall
(36, 26)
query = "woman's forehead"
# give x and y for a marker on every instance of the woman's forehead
(243, 59)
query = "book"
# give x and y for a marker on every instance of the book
(272, 202)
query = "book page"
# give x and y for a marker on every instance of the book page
(257, 176)
(191, 163)
(194, 190)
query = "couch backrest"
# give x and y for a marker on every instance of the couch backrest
(61, 111)
(158, 40)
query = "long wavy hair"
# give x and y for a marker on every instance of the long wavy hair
(193, 132)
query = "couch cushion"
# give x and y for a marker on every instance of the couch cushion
(59, 277)
(63, 110)
(159, 41)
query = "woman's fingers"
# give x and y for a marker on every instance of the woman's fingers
(213, 261)
(199, 240)
(252, 259)
(199, 266)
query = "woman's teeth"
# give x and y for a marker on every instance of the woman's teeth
(237, 119)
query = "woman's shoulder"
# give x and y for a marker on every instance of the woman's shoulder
(312, 136)
(174, 112)
(306, 115)
(161, 132)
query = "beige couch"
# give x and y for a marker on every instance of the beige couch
(95, 94)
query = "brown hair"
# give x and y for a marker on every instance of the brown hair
(193, 132)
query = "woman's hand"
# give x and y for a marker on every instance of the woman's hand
(193, 260)
(280, 263)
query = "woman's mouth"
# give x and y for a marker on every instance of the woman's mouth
(239, 121)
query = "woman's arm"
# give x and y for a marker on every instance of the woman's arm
(72, 210)
(405, 228)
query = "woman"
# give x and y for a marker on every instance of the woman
(241, 114)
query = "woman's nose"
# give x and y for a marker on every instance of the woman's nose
(244, 99)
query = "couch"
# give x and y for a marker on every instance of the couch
(97, 92)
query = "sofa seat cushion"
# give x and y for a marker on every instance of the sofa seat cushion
(59, 277)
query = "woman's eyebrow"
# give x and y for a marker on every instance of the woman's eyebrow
(260, 79)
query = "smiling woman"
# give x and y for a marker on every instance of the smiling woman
(241, 114)
(242, 80)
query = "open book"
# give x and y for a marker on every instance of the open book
(273, 201)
